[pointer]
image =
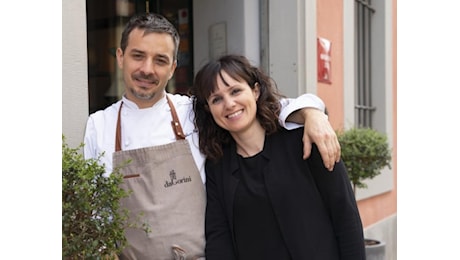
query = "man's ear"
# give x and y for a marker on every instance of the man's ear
(119, 54)
(174, 65)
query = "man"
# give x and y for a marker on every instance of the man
(154, 131)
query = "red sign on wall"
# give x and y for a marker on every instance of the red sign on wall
(324, 60)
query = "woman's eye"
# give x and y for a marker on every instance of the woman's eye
(235, 91)
(216, 100)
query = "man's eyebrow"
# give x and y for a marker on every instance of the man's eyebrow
(136, 51)
(164, 56)
(161, 56)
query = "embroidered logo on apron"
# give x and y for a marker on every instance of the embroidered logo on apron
(175, 181)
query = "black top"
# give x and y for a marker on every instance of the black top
(257, 231)
(313, 209)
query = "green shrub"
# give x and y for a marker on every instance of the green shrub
(92, 221)
(365, 153)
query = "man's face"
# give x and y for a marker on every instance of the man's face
(147, 64)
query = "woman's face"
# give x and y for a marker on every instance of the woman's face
(233, 106)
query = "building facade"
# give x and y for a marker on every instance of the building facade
(344, 51)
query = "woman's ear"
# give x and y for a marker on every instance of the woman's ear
(256, 90)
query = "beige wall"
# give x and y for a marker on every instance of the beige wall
(74, 71)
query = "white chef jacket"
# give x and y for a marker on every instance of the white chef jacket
(152, 126)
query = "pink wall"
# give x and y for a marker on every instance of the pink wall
(330, 26)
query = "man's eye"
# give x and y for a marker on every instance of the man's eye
(137, 56)
(162, 62)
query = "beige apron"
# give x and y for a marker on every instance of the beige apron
(167, 189)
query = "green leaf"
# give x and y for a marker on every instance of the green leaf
(93, 222)
(365, 152)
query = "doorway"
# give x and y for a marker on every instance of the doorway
(105, 22)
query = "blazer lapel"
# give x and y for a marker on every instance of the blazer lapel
(230, 182)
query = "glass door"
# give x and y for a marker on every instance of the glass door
(105, 22)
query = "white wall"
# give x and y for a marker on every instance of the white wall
(74, 71)
(284, 61)
(242, 26)
(292, 43)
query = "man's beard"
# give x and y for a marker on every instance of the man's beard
(139, 94)
(142, 96)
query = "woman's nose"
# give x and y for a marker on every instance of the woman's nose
(229, 102)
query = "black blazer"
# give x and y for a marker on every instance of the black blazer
(316, 209)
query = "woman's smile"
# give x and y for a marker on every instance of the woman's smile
(233, 115)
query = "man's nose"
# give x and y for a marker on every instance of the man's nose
(148, 67)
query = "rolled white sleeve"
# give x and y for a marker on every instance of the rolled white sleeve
(89, 150)
(290, 105)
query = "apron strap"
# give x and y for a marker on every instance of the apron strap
(177, 128)
(118, 132)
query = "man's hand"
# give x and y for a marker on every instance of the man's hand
(318, 130)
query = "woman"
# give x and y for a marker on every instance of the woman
(263, 200)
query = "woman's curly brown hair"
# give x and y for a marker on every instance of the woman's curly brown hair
(212, 137)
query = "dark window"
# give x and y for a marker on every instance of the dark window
(364, 108)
